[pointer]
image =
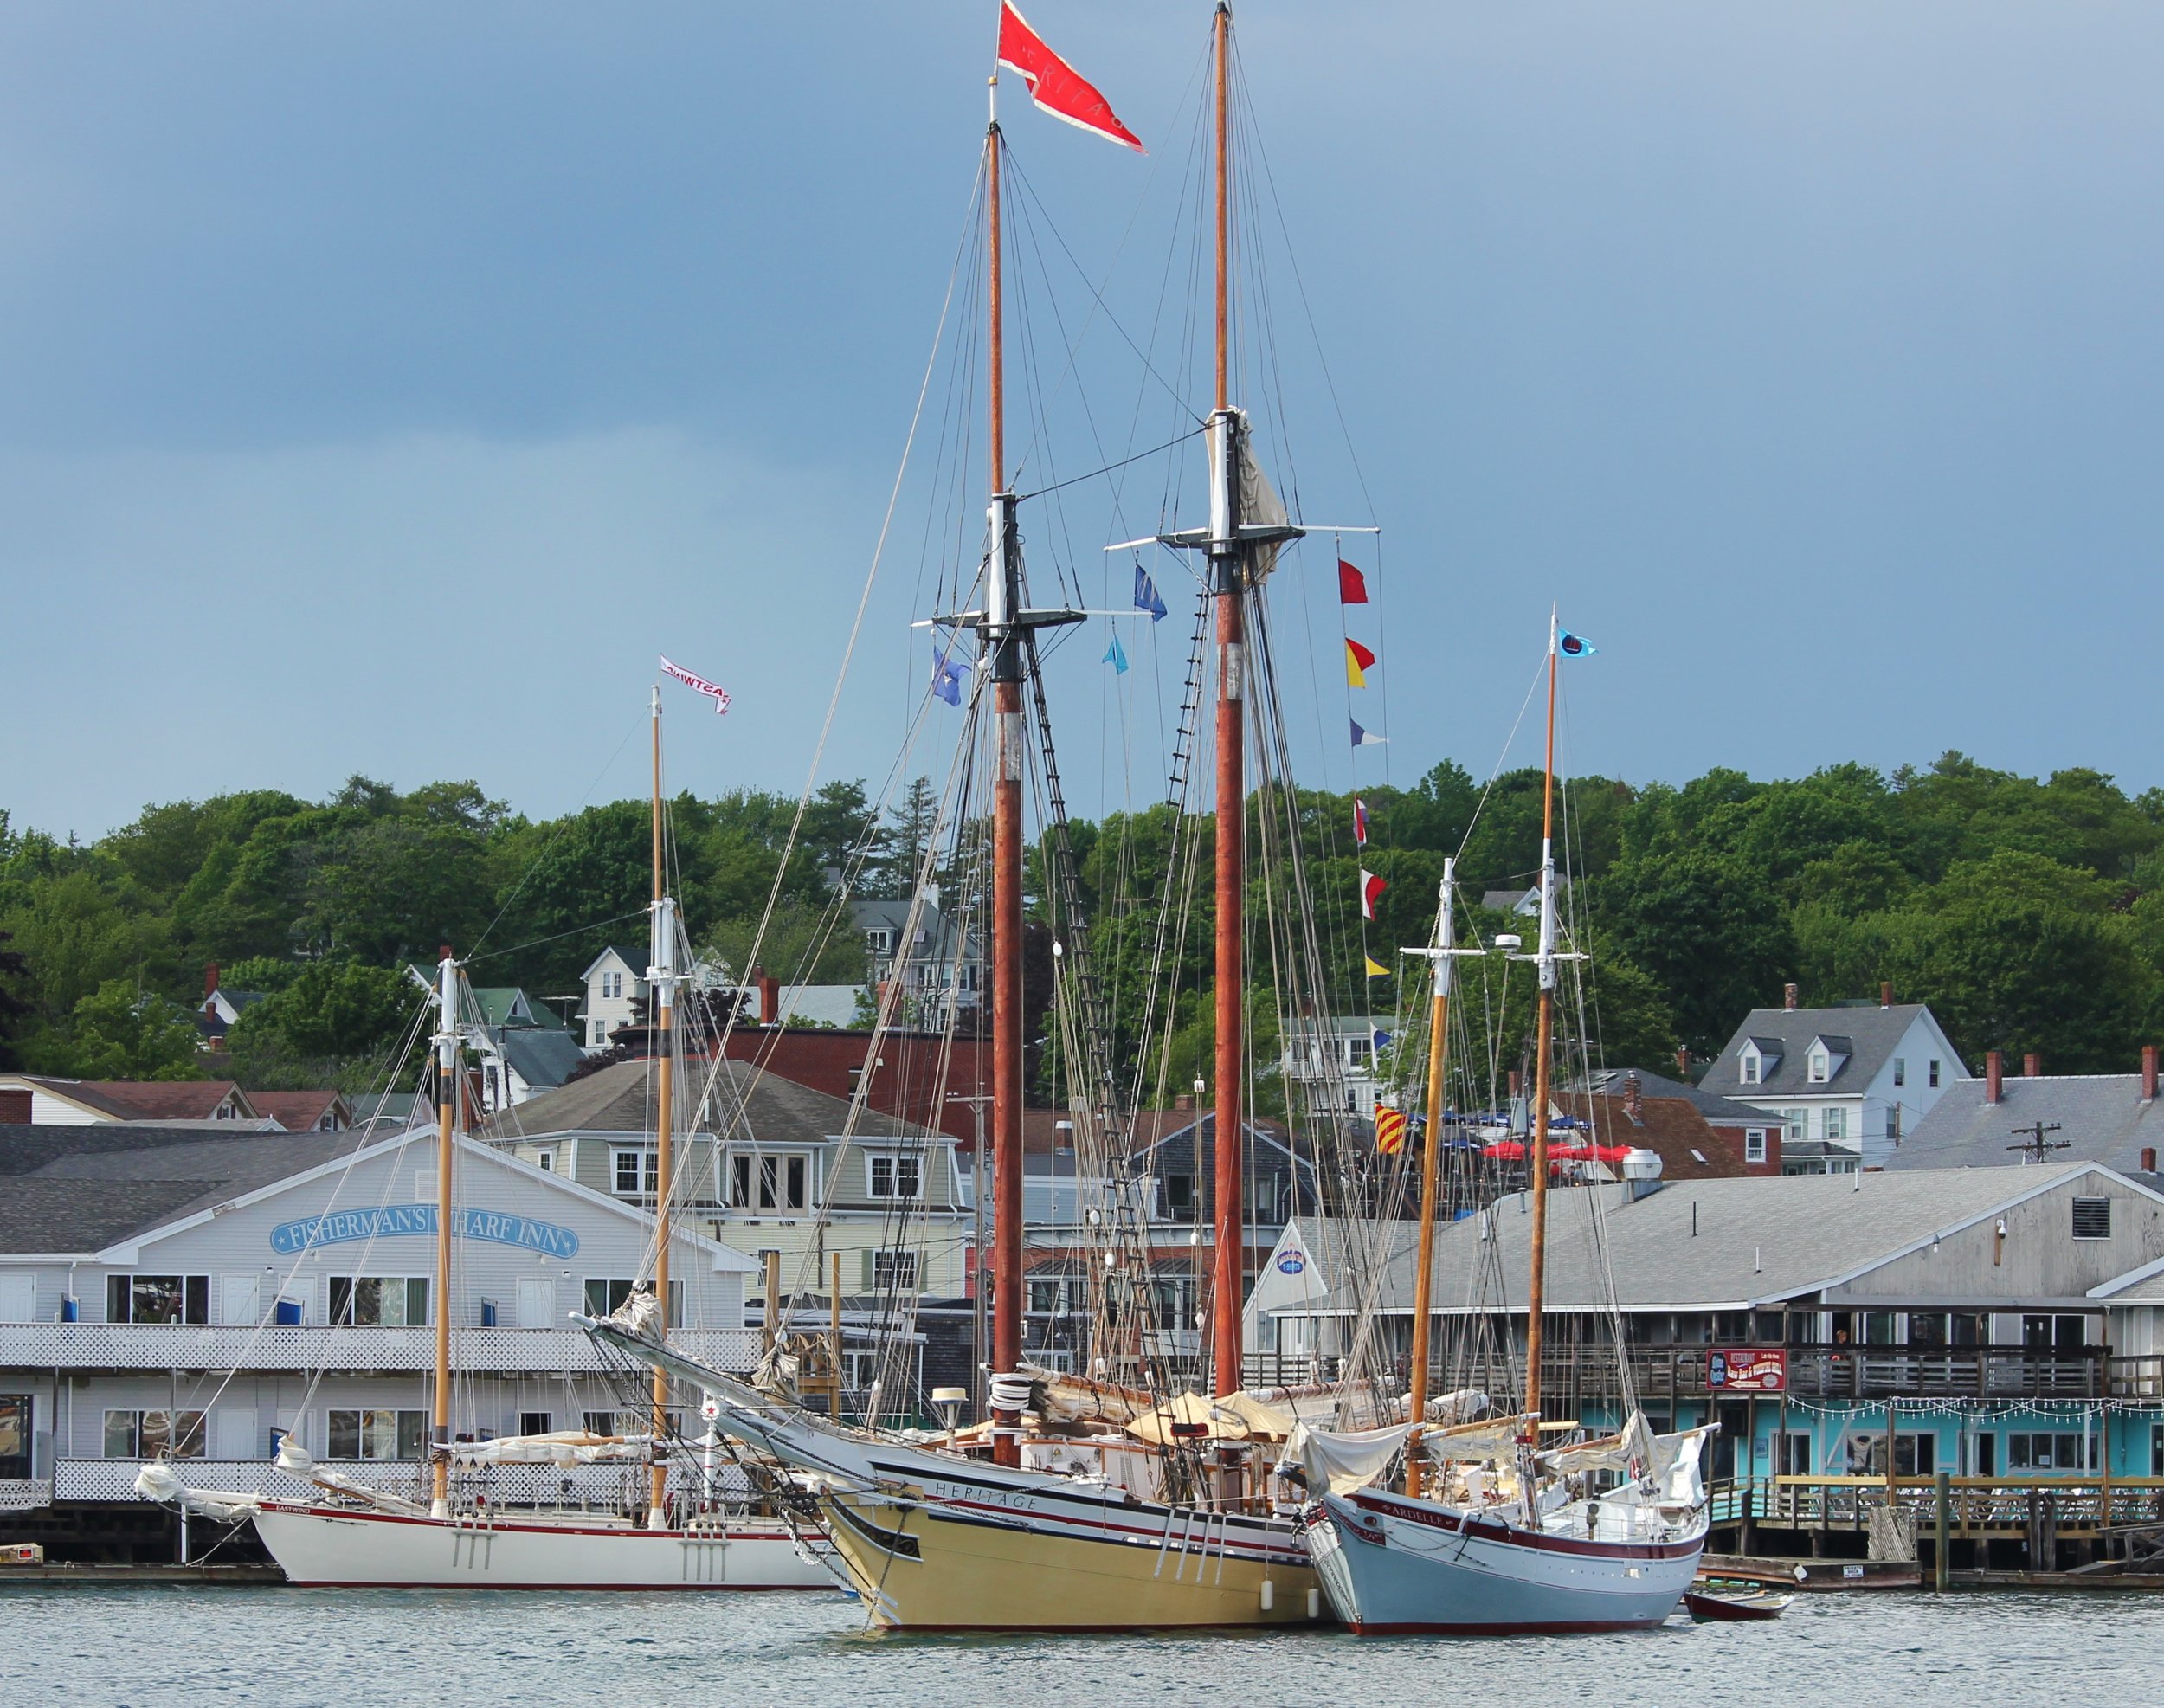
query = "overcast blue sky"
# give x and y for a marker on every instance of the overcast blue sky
(382, 386)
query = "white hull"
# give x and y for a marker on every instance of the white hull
(336, 1546)
(1391, 1564)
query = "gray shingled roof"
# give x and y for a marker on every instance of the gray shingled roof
(1757, 1240)
(1870, 1036)
(66, 1189)
(2101, 1118)
(619, 1098)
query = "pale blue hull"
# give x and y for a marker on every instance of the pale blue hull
(1390, 1564)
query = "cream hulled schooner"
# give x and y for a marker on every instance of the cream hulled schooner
(1122, 1499)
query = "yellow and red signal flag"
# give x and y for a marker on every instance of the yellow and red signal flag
(1371, 889)
(1358, 662)
(1390, 1125)
(1352, 586)
(1055, 86)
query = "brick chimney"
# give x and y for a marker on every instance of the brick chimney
(1633, 1100)
(1789, 996)
(14, 1106)
(210, 980)
(2148, 1072)
(2031, 1065)
(1682, 1063)
(769, 989)
(2148, 1159)
(1995, 1076)
(1885, 993)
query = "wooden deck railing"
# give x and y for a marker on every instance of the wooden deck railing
(1978, 1506)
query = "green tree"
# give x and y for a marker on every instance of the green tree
(119, 1032)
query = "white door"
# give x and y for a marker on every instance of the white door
(233, 1433)
(240, 1300)
(537, 1303)
(18, 1298)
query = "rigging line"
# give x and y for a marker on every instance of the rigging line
(1155, 450)
(557, 937)
(1509, 741)
(562, 825)
(1270, 183)
(1097, 296)
(864, 600)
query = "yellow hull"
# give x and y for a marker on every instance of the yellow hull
(921, 1571)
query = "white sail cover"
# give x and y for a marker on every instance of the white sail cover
(566, 1447)
(1343, 1461)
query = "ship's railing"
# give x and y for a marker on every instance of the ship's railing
(616, 1486)
(286, 1346)
(19, 1494)
(1977, 1505)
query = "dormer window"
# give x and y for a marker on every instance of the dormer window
(1820, 1067)
(1751, 1067)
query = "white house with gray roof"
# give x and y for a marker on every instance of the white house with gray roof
(1848, 1083)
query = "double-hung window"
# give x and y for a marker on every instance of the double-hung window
(636, 1174)
(897, 1177)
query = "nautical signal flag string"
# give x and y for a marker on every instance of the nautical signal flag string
(1358, 662)
(1371, 889)
(1352, 586)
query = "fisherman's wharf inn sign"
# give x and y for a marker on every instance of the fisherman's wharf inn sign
(391, 1222)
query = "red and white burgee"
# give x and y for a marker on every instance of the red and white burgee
(1054, 85)
(1371, 889)
(698, 684)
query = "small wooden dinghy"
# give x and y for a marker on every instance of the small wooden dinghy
(1709, 1606)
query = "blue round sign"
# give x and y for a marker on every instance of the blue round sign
(1291, 1262)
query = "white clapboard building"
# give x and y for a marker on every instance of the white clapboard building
(195, 1294)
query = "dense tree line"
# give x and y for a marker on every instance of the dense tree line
(2030, 913)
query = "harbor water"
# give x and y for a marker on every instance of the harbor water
(156, 1647)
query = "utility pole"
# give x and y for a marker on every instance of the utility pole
(2035, 1142)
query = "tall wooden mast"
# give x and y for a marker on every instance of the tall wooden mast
(662, 981)
(1004, 636)
(1228, 587)
(1442, 954)
(446, 1095)
(1537, 1287)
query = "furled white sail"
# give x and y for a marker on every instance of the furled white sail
(1343, 1461)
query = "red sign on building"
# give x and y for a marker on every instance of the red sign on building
(1746, 1370)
